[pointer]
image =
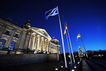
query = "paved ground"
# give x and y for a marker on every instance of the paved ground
(96, 66)
(89, 65)
(31, 67)
(85, 65)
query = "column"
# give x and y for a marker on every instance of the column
(22, 40)
(38, 43)
(33, 41)
(2, 28)
(49, 47)
(7, 44)
(46, 45)
(18, 43)
(27, 41)
(30, 42)
(35, 44)
(42, 44)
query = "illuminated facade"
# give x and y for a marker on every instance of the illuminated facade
(25, 39)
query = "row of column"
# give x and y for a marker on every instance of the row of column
(38, 43)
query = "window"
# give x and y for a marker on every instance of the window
(11, 47)
(2, 43)
(16, 35)
(7, 33)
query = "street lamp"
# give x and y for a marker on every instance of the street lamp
(61, 66)
(78, 62)
(75, 67)
(72, 70)
(56, 69)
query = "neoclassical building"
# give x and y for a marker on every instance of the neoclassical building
(25, 39)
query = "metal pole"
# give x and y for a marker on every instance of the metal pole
(69, 49)
(71, 46)
(62, 39)
(84, 47)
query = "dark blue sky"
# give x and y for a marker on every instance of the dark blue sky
(85, 16)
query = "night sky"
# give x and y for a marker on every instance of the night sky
(87, 17)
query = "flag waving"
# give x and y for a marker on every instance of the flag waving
(51, 12)
(65, 29)
(78, 36)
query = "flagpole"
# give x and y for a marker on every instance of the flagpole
(84, 47)
(62, 39)
(79, 53)
(71, 46)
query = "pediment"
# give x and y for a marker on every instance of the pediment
(42, 31)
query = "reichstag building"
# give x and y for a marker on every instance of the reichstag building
(23, 39)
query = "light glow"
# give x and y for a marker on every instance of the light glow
(75, 67)
(61, 66)
(56, 69)
(72, 70)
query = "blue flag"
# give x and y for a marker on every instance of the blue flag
(51, 12)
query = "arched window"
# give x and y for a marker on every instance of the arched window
(12, 45)
(2, 43)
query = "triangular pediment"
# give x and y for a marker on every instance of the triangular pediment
(42, 31)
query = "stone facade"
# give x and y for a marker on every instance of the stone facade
(25, 39)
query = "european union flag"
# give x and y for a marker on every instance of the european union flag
(51, 12)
